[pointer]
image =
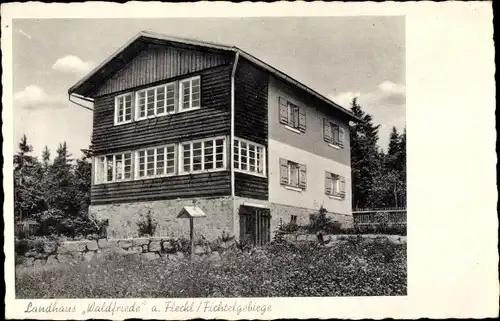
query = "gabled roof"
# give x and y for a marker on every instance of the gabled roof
(191, 211)
(128, 51)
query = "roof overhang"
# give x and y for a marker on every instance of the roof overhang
(139, 42)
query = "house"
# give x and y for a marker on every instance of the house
(178, 122)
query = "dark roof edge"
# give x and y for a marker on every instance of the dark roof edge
(251, 58)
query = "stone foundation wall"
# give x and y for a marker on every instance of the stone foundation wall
(123, 217)
(282, 214)
(86, 251)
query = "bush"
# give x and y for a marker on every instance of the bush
(276, 270)
(147, 225)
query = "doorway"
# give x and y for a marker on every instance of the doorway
(255, 225)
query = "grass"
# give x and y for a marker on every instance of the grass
(350, 268)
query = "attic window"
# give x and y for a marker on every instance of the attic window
(155, 101)
(189, 94)
(123, 109)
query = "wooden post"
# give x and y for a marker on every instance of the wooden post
(191, 236)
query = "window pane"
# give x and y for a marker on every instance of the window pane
(170, 98)
(150, 102)
(120, 109)
(150, 162)
(251, 157)
(100, 170)
(160, 161)
(170, 159)
(294, 174)
(260, 161)
(128, 165)
(219, 153)
(185, 94)
(142, 163)
(236, 154)
(160, 100)
(195, 93)
(197, 156)
(243, 164)
(141, 103)
(118, 167)
(187, 157)
(209, 155)
(109, 168)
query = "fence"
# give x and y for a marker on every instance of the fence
(370, 217)
(26, 227)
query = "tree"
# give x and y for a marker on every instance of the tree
(61, 183)
(366, 161)
(28, 198)
(46, 158)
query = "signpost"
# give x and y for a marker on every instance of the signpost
(191, 212)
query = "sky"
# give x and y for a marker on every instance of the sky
(340, 57)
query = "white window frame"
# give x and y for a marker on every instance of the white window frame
(101, 177)
(121, 122)
(180, 154)
(290, 106)
(155, 110)
(335, 186)
(340, 143)
(155, 153)
(248, 171)
(181, 94)
(297, 165)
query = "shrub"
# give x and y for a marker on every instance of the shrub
(147, 225)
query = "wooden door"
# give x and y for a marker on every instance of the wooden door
(255, 225)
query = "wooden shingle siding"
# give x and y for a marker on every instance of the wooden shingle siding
(250, 186)
(250, 122)
(212, 119)
(158, 63)
(250, 109)
(196, 185)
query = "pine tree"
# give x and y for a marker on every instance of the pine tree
(46, 157)
(60, 178)
(28, 199)
(366, 161)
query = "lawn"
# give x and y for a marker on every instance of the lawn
(351, 268)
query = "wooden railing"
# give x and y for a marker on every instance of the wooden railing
(395, 216)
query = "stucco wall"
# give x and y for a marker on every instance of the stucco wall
(314, 195)
(123, 217)
(312, 140)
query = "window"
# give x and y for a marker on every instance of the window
(189, 94)
(292, 115)
(334, 185)
(292, 174)
(123, 109)
(333, 133)
(113, 168)
(293, 219)
(155, 162)
(156, 101)
(203, 155)
(248, 157)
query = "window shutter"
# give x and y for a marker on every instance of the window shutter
(302, 176)
(283, 110)
(328, 183)
(341, 136)
(283, 171)
(342, 185)
(302, 119)
(327, 130)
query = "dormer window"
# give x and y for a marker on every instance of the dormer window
(123, 109)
